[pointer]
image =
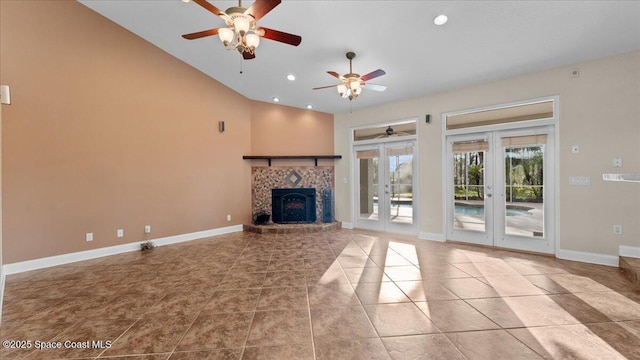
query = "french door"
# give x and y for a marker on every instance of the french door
(385, 186)
(500, 188)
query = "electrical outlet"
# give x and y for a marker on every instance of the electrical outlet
(88, 237)
(147, 229)
(120, 233)
(617, 162)
(228, 217)
(617, 229)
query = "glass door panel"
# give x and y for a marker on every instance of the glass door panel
(468, 182)
(385, 186)
(368, 161)
(526, 217)
(524, 185)
(469, 205)
(399, 187)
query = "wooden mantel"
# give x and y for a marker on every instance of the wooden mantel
(290, 157)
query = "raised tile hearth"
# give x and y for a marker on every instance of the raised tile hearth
(292, 228)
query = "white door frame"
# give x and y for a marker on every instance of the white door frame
(552, 198)
(473, 236)
(380, 143)
(383, 223)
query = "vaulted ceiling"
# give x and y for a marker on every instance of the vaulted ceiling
(482, 41)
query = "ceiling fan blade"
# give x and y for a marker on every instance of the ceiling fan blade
(280, 36)
(248, 56)
(201, 34)
(323, 87)
(375, 87)
(373, 75)
(207, 5)
(260, 8)
(335, 74)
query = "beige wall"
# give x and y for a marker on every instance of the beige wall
(599, 111)
(277, 130)
(283, 130)
(106, 131)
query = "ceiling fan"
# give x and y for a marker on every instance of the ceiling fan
(241, 32)
(351, 84)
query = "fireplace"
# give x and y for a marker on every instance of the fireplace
(293, 206)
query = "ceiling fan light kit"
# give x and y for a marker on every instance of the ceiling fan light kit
(241, 32)
(351, 84)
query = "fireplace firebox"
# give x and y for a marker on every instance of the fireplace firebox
(293, 206)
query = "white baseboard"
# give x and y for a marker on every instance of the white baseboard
(630, 251)
(587, 257)
(15, 268)
(431, 236)
(347, 225)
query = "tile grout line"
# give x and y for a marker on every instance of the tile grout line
(122, 334)
(360, 302)
(313, 340)
(202, 309)
(246, 339)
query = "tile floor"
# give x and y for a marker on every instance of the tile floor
(336, 295)
(631, 269)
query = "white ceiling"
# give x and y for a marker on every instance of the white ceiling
(483, 41)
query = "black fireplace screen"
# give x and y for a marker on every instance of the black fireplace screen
(293, 205)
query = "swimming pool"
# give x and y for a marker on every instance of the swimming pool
(468, 209)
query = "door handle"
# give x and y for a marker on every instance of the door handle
(489, 195)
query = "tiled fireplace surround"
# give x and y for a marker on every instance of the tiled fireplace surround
(265, 178)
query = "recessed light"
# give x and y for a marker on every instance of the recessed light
(276, 99)
(186, 1)
(440, 20)
(309, 106)
(291, 77)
